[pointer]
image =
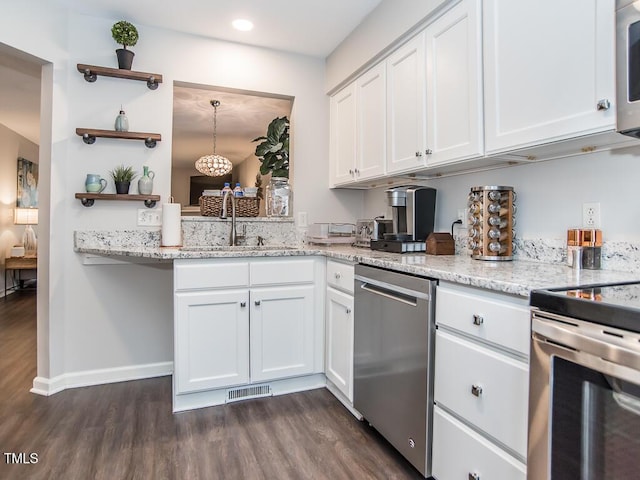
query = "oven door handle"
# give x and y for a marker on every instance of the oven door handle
(592, 340)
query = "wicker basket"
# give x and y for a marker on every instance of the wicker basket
(245, 206)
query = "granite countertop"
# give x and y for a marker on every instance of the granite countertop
(517, 277)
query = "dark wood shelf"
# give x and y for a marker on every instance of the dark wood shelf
(88, 199)
(91, 73)
(89, 136)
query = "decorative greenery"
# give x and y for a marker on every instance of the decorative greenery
(123, 174)
(124, 33)
(273, 152)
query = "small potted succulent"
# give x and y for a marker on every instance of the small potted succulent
(126, 35)
(122, 177)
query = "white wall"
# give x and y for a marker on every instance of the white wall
(12, 146)
(104, 317)
(386, 24)
(550, 194)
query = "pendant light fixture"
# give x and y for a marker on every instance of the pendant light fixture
(214, 165)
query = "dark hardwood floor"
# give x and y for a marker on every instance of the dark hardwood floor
(127, 431)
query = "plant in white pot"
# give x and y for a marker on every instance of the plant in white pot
(126, 35)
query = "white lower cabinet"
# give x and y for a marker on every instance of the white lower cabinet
(211, 348)
(481, 384)
(282, 332)
(460, 453)
(339, 347)
(266, 326)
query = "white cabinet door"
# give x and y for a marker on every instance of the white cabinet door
(547, 65)
(405, 107)
(343, 135)
(282, 332)
(453, 50)
(211, 340)
(460, 453)
(339, 338)
(371, 123)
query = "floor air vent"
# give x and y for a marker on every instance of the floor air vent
(244, 393)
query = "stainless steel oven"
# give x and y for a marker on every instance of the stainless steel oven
(628, 66)
(584, 397)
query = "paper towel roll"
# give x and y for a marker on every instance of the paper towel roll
(171, 234)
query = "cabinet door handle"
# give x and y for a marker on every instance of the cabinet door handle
(356, 171)
(348, 311)
(428, 151)
(257, 303)
(351, 171)
(418, 154)
(476, 390)
(474, 476)
(243, 304)
(603, 104)
(478, 319)
(337, 275)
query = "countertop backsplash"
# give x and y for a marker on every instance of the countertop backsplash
(618, 256)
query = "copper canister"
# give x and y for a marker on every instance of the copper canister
(584, 248)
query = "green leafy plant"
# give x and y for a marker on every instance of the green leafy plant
(273, 152)
(258, 185)
(123, 174)
(124, 33)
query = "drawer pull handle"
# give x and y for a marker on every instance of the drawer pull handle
(243, 304)
(257, 302)
(476, 390)
(348, 311)
(478, 319)
(337, 275)
(474, 476)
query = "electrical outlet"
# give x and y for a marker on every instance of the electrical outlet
(302, 220)
(148, 217)
(591, 215)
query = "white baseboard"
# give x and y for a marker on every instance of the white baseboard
(49, 386)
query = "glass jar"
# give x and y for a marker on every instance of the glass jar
(278, 197)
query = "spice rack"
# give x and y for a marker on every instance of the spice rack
(491, 222)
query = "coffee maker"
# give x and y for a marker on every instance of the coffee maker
(414, 211)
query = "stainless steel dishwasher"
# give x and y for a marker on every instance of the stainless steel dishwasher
(393, 359)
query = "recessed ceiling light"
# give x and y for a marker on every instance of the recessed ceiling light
(242, 24)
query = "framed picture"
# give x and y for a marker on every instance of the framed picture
(27, 196)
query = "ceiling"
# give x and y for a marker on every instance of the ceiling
(310, 27)
(241, 118)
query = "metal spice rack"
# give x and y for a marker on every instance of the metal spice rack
(491, 222)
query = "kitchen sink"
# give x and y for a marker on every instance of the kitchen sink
(234, 248)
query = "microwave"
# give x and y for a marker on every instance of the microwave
(628, 66)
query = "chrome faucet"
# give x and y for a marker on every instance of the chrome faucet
(233, 236)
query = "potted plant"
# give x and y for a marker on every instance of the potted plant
(122, 177)
(273, 153)
(126, 35)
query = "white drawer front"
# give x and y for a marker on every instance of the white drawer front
(500, 409)
(282, 272)
(207, 274)
(459, 452)
(340, 275)
(487, 318)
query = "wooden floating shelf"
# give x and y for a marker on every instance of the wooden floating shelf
(91, 73)
(89, 136)
(88, 199)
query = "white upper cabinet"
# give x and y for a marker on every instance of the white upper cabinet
(343, 135)
(405, 107)
(371, 124)
(358, 129)
(453, 51)
(547, 65)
